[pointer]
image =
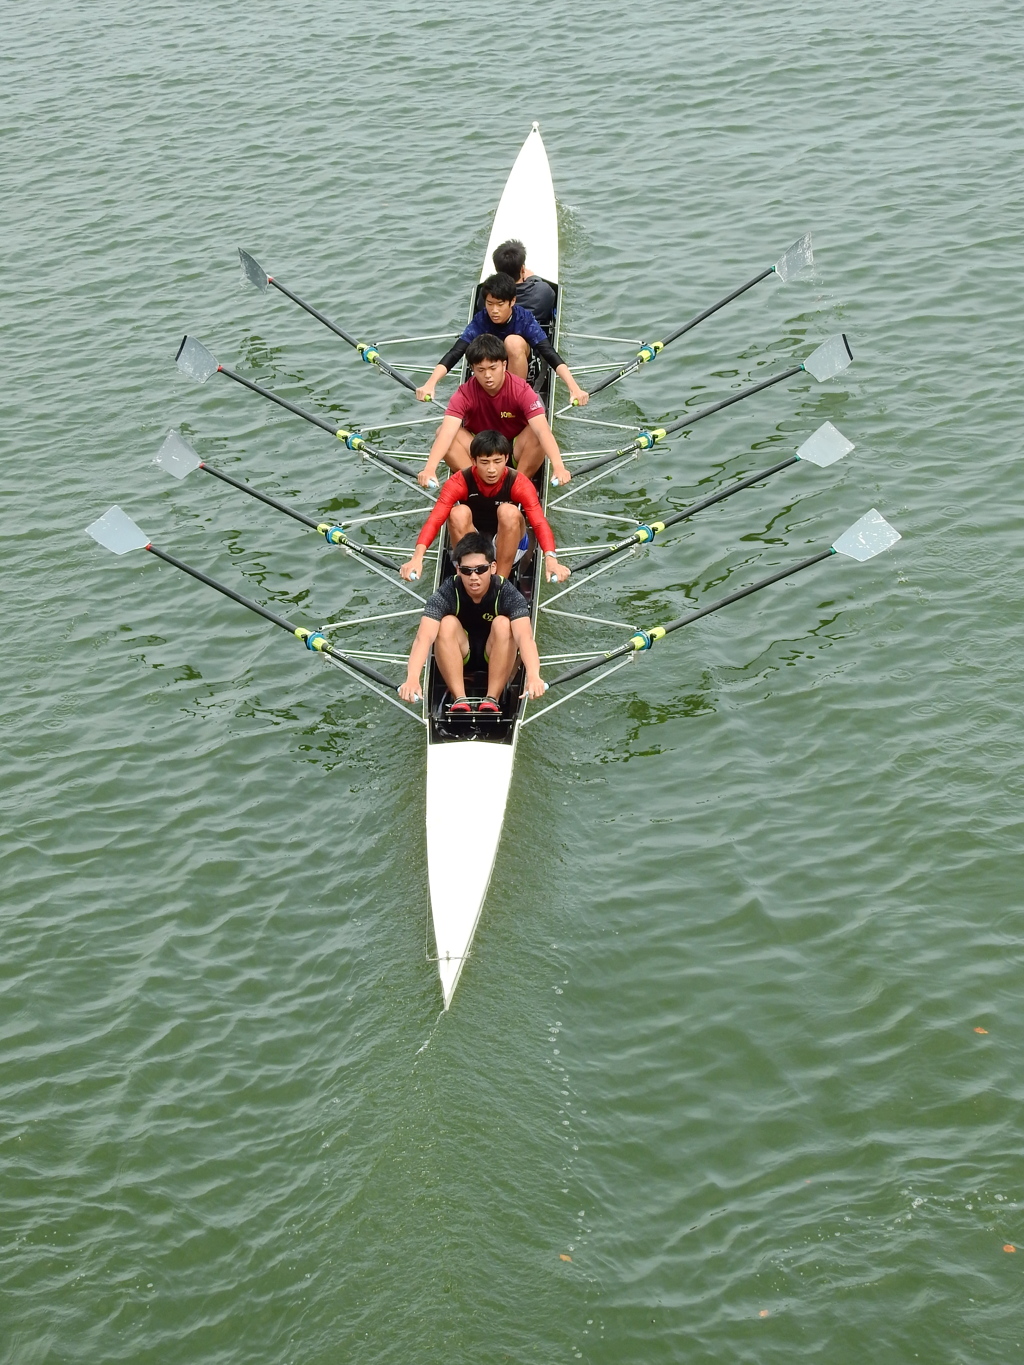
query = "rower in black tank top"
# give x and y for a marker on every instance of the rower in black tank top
(476, 618)
(483, 506)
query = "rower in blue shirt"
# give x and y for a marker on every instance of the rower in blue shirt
(531, 291)
(502, 317)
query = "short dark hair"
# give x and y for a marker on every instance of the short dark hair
(510, 257)
(485, 347)
(475, 543)
(490, 443)
(499, 286)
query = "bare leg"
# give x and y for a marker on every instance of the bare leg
(501, 656)
(518, 352)
(528, 452)
(450, 648)
(511, 525)
(457, 455)
(460, 523)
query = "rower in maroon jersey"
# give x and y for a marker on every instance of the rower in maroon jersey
(494, 400)
(495, 500)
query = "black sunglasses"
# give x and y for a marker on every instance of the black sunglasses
(470, 570)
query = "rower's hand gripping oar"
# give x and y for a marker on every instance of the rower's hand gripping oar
(178, 458)
(257, 276)
(116, 532)
(824, 447)
(797, 258)
(825, 362)
(199, 363)
(862, 541)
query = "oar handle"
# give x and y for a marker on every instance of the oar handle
(613, 378)
(655, 528)
(643, 640)
(734, 398)
(321, 646)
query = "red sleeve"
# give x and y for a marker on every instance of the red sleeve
(524, 493)
(454, 491)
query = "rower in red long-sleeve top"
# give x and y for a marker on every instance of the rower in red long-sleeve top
(490, 498)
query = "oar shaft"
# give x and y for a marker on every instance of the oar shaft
(340, 331)
(724, 493)
(734, 398)
(690, 511)
(313, 312)
(322, 422)
(681, 331)
(365, 550)
(267, 615)
(687, 326)
(262, 497)
(698, 615)
(636, 644)
(317, 421)
(690, 421)
(272, 617)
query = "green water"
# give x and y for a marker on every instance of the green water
(718, 1042)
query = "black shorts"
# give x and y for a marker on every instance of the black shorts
(476, 659)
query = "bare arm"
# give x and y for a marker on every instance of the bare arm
(579, 396)
(426, 391)
(539, 427)
(522, 633)
(445, 436)
(425, 637)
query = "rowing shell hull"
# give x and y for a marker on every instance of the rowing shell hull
(477, 772)
(527, 211)
(461, 853)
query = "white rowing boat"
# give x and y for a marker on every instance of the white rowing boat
(471, 758)
(470, 762)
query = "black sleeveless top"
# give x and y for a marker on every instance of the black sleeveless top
(476, 617)
(484, 507)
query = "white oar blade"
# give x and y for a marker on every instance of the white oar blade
(830, 359)
(825, 446)
(799, 256)
(177, 456)
(116, 531)
(867, 537)
(253, 271)
(195, 360)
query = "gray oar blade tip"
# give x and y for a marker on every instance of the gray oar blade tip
(253, 271)
(195, 360)
(867, 537)
(798, 257)
(830, 358)
(825, 446)
(176, 456)
(116, 532)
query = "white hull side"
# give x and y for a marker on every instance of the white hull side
(462, 775)
(527, 211)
